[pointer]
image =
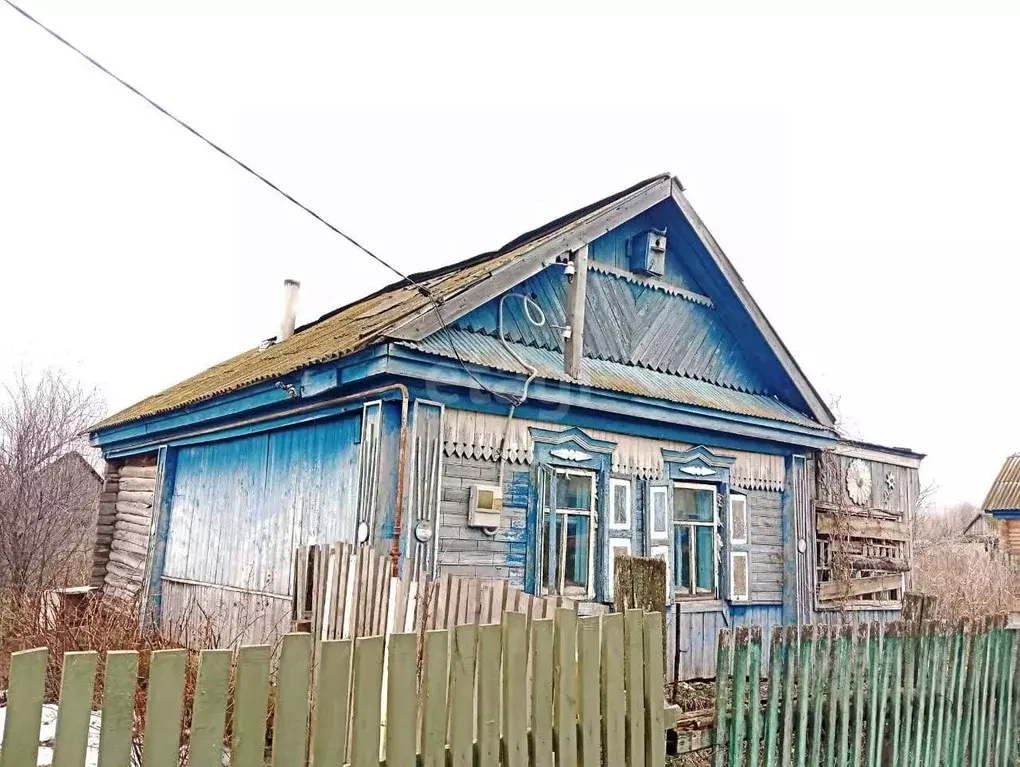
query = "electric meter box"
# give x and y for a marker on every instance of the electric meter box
(485, 506)
(648, 253)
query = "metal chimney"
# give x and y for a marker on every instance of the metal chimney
(290, 299)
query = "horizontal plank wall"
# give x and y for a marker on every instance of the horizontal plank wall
(464, 550)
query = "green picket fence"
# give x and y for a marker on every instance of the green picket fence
(872, 694)
(565, 690)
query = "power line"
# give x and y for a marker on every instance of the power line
(424, 291)
(290, 198)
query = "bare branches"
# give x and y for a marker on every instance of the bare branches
(48, 488)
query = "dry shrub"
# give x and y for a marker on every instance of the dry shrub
(971, 577)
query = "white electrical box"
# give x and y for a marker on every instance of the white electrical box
(485, 506)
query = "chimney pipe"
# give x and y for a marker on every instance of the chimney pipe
(290, 299)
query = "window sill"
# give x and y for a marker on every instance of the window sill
(688, 605)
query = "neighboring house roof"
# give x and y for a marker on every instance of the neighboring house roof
(76, 459)
(1004, 494)
(401, 312)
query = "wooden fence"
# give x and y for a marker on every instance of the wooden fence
(896, 694)
(595, 696)
(343, 592)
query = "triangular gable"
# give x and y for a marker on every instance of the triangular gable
(721, 338)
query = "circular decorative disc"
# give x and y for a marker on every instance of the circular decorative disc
(858, 482)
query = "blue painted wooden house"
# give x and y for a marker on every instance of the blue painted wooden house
(602, 384)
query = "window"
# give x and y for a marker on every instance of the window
(694, 540)
(738, 519)
(617, 547)
(619, 504)
(567, 534)
(659, 530)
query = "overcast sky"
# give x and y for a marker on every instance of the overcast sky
(860, 171)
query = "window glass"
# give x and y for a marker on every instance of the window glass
(573, 491)
(575, 569)
(704, 562)
(621, 502)
(693, 505)
(682, 557)
(551, 548)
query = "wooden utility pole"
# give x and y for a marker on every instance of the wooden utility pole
(576, 291)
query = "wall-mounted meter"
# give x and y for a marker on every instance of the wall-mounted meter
(485, 505)
(648, 253)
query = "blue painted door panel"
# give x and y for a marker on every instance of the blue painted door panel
(240, 507)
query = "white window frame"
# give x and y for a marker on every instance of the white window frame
(734, 596)
(615, 544)
(662, 552)
(736, 499)
(561, 589)
(714, 525)
(653, 534)
(614, 483)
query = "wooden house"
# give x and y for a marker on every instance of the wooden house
(1003, 503)
(604, 384)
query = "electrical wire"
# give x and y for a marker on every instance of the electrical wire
(424, 290)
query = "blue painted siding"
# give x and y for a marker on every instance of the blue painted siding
(627, 323)
(241, 506)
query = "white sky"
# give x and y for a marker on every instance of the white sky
(860, 171)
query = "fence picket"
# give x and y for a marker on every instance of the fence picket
(489, 647)
(565, 690)
(614, 715)
(462, 695)
(290, 724)
(118, 709)
(962, 686)
(1007, 726)
(754, 685)
(251, 700)
(332, 702)
(723, 672)
(926, 700)
(837, 652)
(209, 715)
(895, 689)
(777, 656)
(654, 681)
(792, 648)
(946, 680)
(588, 683)
(846, 652)
(808, 635)
(862, 651)
(163, 709)
(974, 661)
(434, 688)
(76, 685)
(823, 651)
(738, 716)
(26, 687)
(878, 684)
(911, 666)
(991, 686)
(401, 719)
(367, 700)
(515, 690)
(1002, 671)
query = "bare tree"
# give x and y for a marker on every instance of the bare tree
(48, 488)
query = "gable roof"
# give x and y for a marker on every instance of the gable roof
(401, 312)
(1004, 495)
